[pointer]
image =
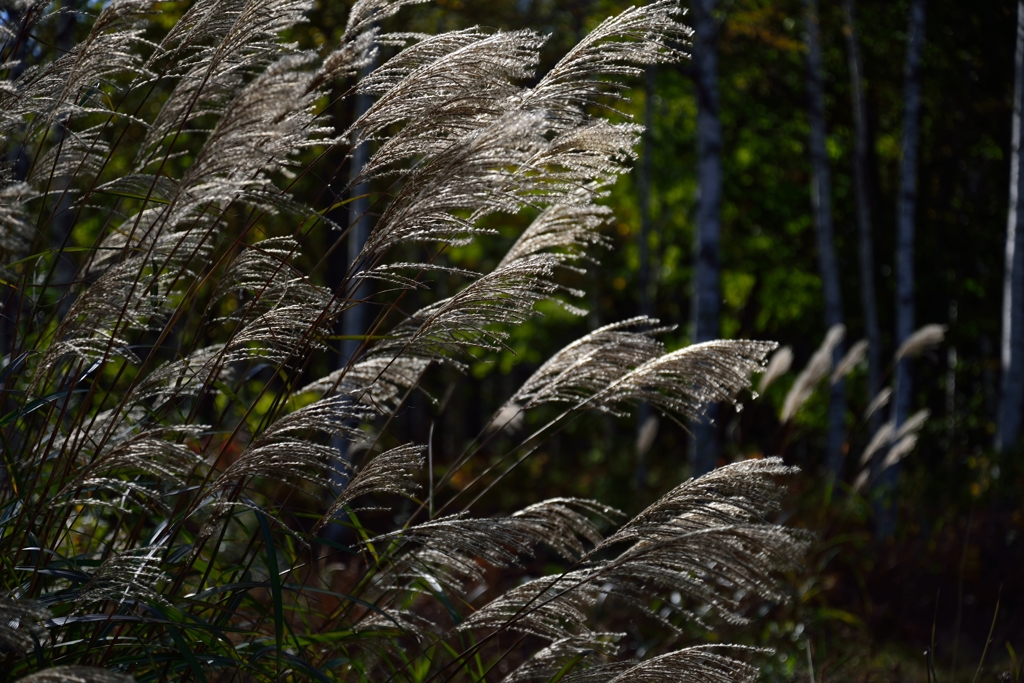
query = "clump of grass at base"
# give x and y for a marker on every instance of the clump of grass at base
(186, 489)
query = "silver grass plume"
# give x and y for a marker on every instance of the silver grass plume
(620, 46)
(79, 153)
(384, 627)
(278, 334)
(849, 361)
(21, 625)
(817, 369)
(612, 50)
(564, 231)
(586, 158)
(186, 377)
(590, 364)
(646, 434)
(778, 365)
(263, 272)
(568, 229)
(449, 549)
(354, 54)
(282, 452)
(390, 273)
(212, 48)
(508, 418)
(549, 660)
(358, 44)
(150, 229)
(905, 438)
(881, 438)
(471, 176)
(262, 127)
(912, 424)
(552, 608)
(444, 88)
(557, 523)
(258, 131)
(707, 539)
(129, 296)
(899, 450)
(686, 381)
(16, 232)
(739, 493)
(706, 535)
(76, 674)
(393, 471)
(127, 576)
(698, 664)
(506, 295)
(44, 94)
(862, 479)
(887, 434)
(282, 312)
(902, 440)
(480, 314)
(147, 454)
(921, 340)
(365, 12)
(379, 378)
(878, 402)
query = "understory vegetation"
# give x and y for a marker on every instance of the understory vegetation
(206, 474)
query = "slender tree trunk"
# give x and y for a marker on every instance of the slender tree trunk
(60, 224)
(644, 280)
(706, 297)
(644, 271)
(1012, 347)
(863, 205)
(821, 200)
(354, 320)
(907, 205)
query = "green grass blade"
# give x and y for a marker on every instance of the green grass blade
(569, 666)
(275, 584)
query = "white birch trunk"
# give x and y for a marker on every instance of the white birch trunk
(706, 295)
(821, 201)
(354, 319)
(1012, 346)
(906, 208)
(865, 240)
(644, 279)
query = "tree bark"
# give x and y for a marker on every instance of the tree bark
(644, 279)
(821, 201)
(61, 217)
(865, 239)
(706, 296)
(906, 208)
(354, 321)
(1012, 346)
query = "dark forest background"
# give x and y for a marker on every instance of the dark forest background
(925, 555)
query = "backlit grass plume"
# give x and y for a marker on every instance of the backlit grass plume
(192, 480)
